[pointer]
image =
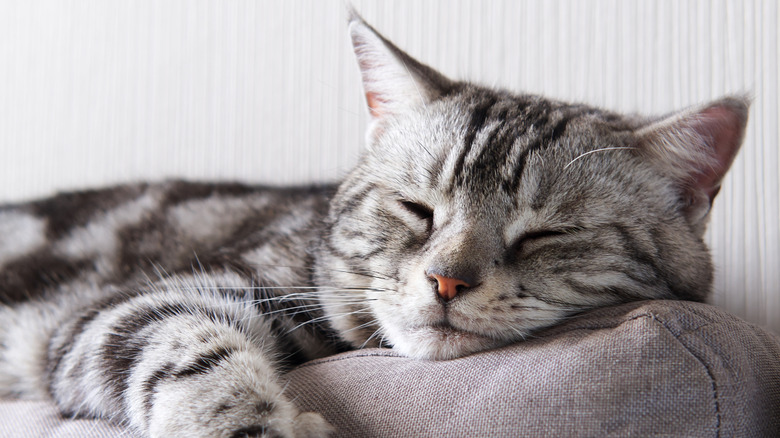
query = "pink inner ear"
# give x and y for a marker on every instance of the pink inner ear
(722, 129)
(375, 104)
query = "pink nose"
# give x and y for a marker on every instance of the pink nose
(447, 287)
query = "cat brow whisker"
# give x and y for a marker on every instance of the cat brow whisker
(594, 151)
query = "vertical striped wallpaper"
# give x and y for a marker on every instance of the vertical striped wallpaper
(94, 92)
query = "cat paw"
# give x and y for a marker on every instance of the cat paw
(304, 425)
(242, 419)
(312, 425)
(238, 398)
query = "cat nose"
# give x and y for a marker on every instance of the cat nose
(448, 287)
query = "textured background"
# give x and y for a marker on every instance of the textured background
(94, 92)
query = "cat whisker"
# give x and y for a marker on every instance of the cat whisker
(294, 310)
(373, 335)
(314, 289)
(521, 333)
(323, 293)
(555, 309)
(362, 272)
(365, 324)
(311, 304)
(594, 151)
(382, 341)
(328, 317)
(366, 273)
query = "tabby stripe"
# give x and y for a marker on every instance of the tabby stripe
(478, 118)
(122, 350)
(496, 146)
(435, 169)
(178, 192)
(32, 274)
(546, 137)
(55, 355)
(66, 211)
(293, 355)
(224, 260)
(519, 167)
(206, 362)
(339, 252)
(622, 295)
(355, 201)
(541, 296)
(149, 386)
(677, 290)
(560, 127)
(637, 254)
(576, 250)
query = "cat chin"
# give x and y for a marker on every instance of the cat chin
(440, 343)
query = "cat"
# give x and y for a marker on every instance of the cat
(475, 217)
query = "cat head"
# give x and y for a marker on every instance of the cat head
(477, 215)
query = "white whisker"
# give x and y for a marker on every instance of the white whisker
(594, 151)
(327, 317)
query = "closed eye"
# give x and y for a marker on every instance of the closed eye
(419, 210)
(541, 234)
(533, 236)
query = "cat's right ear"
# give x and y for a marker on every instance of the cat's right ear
(696, 147)
(392, 80)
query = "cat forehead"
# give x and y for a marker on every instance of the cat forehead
(487, 120)
(487, 140)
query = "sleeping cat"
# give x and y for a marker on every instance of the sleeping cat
(475, 217)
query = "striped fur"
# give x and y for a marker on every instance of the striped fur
(175, 307)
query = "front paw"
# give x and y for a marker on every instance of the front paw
(312, 425)
(304, 425)
(241, 413)
(238, 398)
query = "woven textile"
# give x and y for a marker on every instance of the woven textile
(643, 369)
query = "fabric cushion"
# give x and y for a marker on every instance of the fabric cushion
(643, 369)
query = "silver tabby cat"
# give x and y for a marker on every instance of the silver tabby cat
(475, 217)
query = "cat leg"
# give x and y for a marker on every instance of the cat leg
(175, 363)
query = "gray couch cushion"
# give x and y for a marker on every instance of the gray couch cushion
(652, 368)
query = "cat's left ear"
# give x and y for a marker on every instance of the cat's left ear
(392, 80)
(696, 147)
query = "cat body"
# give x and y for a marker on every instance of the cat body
(167, 281)
(475, 217)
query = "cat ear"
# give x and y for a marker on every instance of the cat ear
(392, 80)
(696, 147)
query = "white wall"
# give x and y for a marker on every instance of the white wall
(102, 91)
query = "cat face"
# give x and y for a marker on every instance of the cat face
(477, 216)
